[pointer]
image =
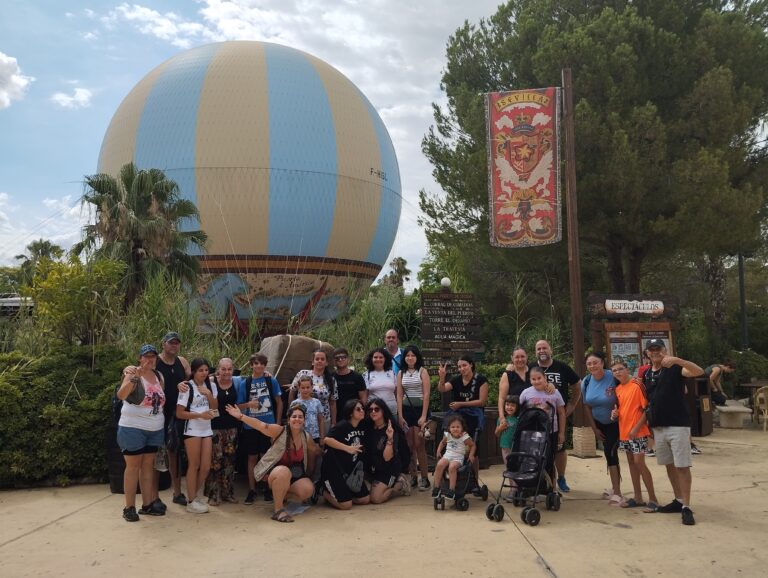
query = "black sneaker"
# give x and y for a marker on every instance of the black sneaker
(688, 516)
(449, 494)
(423, 484)
(695, 451)
(268, 496)
(130, 515)
(181, 500)
(250, 498)
(435, 492)
(674, 507)
(159, 504)
(152, 510)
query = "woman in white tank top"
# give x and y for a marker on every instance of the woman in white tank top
(413, 409)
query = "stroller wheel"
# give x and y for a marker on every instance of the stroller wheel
(550, 501)
(484, 492)
(524, 514)
(442, 503)
(489, 511)
(498, 512)
(436, 503)
(533, 517)
(462, 505)
(556, 502)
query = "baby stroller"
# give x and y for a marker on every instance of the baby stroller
(530, 466)
(466, 483)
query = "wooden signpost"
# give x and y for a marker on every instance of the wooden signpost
(450, 326)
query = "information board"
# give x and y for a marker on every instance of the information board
(450, 326)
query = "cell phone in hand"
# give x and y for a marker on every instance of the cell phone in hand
(215, 412)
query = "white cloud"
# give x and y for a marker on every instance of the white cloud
(13, 84)
(80, 98)
(60, 222)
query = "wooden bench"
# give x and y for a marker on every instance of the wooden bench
(733, 414)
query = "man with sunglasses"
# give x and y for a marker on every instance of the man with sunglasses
(349, 383)
(665, 386)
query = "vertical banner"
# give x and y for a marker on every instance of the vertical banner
(524, 167)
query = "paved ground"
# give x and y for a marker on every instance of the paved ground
(79, 532)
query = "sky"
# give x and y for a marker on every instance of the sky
(66, 66)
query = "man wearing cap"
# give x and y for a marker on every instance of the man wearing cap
(564, 379)
(392, 343)
(174, 370)
(668, 416)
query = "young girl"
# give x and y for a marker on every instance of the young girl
(457, 444)
(314, 423)
(505, 430)
(537, 396)
(196, 406)
(633, 435)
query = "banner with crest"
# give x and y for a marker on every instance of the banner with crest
(524, 167)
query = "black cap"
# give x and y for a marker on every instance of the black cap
(651, 343)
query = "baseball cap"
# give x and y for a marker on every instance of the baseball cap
(147, 348)
(651, 343)
(170, 336)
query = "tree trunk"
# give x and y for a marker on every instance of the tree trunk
(636, 258)
(615, 267)
(714, 274)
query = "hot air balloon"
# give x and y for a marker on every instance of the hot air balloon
(290, 166)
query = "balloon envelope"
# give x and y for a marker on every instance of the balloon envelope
(290, 166)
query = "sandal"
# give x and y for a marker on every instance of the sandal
(651, 508)
(616, 500)
(632, 503)
(607, 494)
(282, 515)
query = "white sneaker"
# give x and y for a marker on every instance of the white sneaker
(197, 507)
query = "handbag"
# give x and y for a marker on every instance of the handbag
(355, 478)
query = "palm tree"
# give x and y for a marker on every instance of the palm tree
(400, 273)
(138, 221)
(36, 252)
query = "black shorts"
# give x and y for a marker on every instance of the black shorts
(611, 443)
(411, 414)
(254, 443)
(334, 483)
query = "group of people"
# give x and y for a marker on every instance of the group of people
(340, 428)
(343, 428)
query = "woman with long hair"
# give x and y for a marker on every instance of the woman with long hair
(413, 408)
(288, 464)
(386, 453)
(380, 379)
(198, 406)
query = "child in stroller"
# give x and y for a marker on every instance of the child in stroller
(458, 452)
(530, 467)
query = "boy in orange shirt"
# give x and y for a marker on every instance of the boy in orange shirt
(633, 435)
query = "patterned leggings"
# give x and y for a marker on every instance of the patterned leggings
(220, 483)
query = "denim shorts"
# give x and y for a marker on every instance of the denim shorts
(134, 441)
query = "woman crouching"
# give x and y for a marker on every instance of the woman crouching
(288, 464)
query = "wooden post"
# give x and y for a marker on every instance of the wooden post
(583, 438)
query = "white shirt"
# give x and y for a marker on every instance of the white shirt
(197, 427)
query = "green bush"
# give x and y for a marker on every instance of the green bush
(56, 411)
(748, 365)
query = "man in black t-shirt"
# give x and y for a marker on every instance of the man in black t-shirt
(349, 384)
(564, 378)
(665, 386)
(174, 369)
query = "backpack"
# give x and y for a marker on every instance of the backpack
(117, 403)
(247, 388)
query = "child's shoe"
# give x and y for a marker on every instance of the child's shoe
(436, 492)
(449, 494)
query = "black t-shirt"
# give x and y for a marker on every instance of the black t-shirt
(348, 386)
(468, 392)
(516, 384)
(173, 375)
(225, 397)
(666, 394)
(345, 433)
(375, 442)
(562, 376)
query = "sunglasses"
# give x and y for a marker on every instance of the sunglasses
(374, 410)
(359, 408)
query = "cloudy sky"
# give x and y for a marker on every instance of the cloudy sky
(66, 66)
